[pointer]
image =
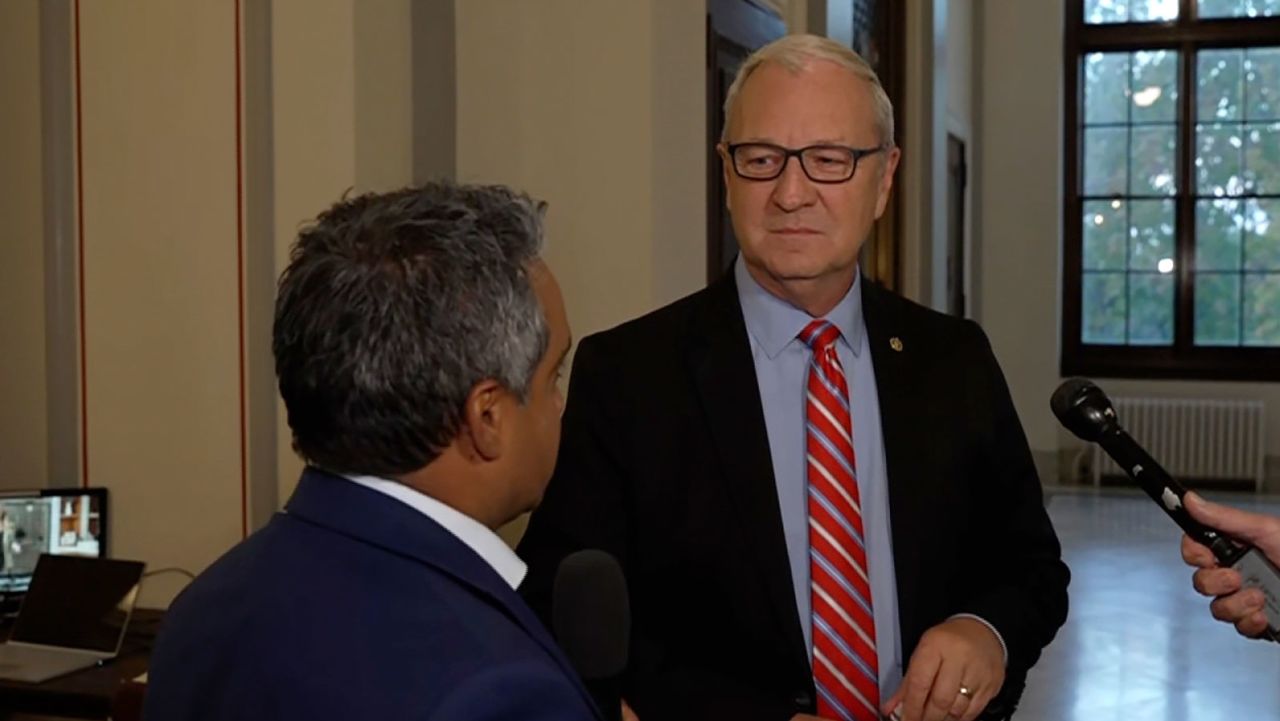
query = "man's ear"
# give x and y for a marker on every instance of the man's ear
(483, 416)
(891, 158)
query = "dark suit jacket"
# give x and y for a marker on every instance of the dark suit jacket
(352, 605)
(665, 463)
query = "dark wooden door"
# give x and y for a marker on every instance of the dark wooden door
(735, 28)
(957, 183)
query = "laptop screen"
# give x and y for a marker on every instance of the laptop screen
(60, 521)
(82, 603)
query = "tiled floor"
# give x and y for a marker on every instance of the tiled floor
(1139, 644)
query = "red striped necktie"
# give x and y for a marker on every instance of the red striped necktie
(845, 667)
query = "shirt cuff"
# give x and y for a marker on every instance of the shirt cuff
(987, 623)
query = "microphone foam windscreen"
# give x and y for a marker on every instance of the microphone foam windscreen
(1083, 409)
(590, 613)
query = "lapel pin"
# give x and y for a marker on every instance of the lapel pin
(896, 343)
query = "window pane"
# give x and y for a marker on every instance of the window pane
(1262, 159)
(1155, 86)
(1219, 85)
(1150, 309)
(1219, 149)
(1262, 83)
(1262, 309)
(1097, 12)
(1217, 309)
(1219, 225)
(1151, 233)
(1106, 88)
(1105, 154)
(1153, 161)
(1103, 309)
(1238, 8)
(1106, 11)
(1105, 231)
(1262, 236)
(1153, 10)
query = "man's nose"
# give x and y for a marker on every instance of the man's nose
(794, 189)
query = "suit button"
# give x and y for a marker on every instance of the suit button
(803, 701)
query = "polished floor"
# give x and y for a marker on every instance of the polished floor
(1139, 644)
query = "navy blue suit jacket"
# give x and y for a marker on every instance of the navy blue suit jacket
(352, 605)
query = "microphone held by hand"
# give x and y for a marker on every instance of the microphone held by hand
(1084, 409)
(591, 617)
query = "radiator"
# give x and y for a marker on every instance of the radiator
(1203, 440)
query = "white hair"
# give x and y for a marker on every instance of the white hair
(794, 52)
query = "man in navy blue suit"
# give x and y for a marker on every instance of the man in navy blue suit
(418, 343)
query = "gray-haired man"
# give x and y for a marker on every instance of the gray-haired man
(418, 339)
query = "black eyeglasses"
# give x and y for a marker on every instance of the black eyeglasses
(821, 163)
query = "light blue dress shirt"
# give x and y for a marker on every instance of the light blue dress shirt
(782, 367)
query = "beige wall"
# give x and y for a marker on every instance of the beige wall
(1020, 170)
(915, 170)
(160, 259)
(160, 235)
(959, 120)
(598, 109)
(940, 105)
(678, 113)
(342, 121)
(383, 94)
(313, 137)
(23, 447)
(1020, 178)
(958, 66)
(162, 321)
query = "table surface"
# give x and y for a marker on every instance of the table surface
(86, 694)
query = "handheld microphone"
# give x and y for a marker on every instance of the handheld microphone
(1086, 411)
(591, 617)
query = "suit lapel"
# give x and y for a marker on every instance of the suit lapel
(365, 515)
(899, 416)
(725, 376)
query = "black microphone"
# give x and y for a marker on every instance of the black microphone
(1086, 411)
(592, 620)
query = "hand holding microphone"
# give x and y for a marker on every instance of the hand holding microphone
(1234, 604)
(1086, 411)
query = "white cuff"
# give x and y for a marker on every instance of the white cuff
(987, 623)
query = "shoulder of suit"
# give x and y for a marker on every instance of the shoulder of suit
(656, 330)
(909, 318)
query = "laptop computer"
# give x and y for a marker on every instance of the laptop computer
(74, 616)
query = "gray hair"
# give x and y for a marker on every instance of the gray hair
(393, 307)
(794, 52)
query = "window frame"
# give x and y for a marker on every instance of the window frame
(1183, 359)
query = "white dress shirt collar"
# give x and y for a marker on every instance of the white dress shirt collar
(487, 544)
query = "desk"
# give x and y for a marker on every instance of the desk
(86, 694)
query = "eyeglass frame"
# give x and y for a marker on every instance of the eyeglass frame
(798, 153)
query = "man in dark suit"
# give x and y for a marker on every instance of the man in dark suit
(418, 340)
(820, 492)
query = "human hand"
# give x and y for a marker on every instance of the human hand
(1241, 607)
(957, 655)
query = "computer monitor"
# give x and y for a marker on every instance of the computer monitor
(57, 521)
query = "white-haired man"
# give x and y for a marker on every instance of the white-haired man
(820, 492)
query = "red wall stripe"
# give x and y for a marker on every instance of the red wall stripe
(240, 306)
(84, 375)
(244, 430)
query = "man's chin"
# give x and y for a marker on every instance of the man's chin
(799, 270)
(537, 501)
